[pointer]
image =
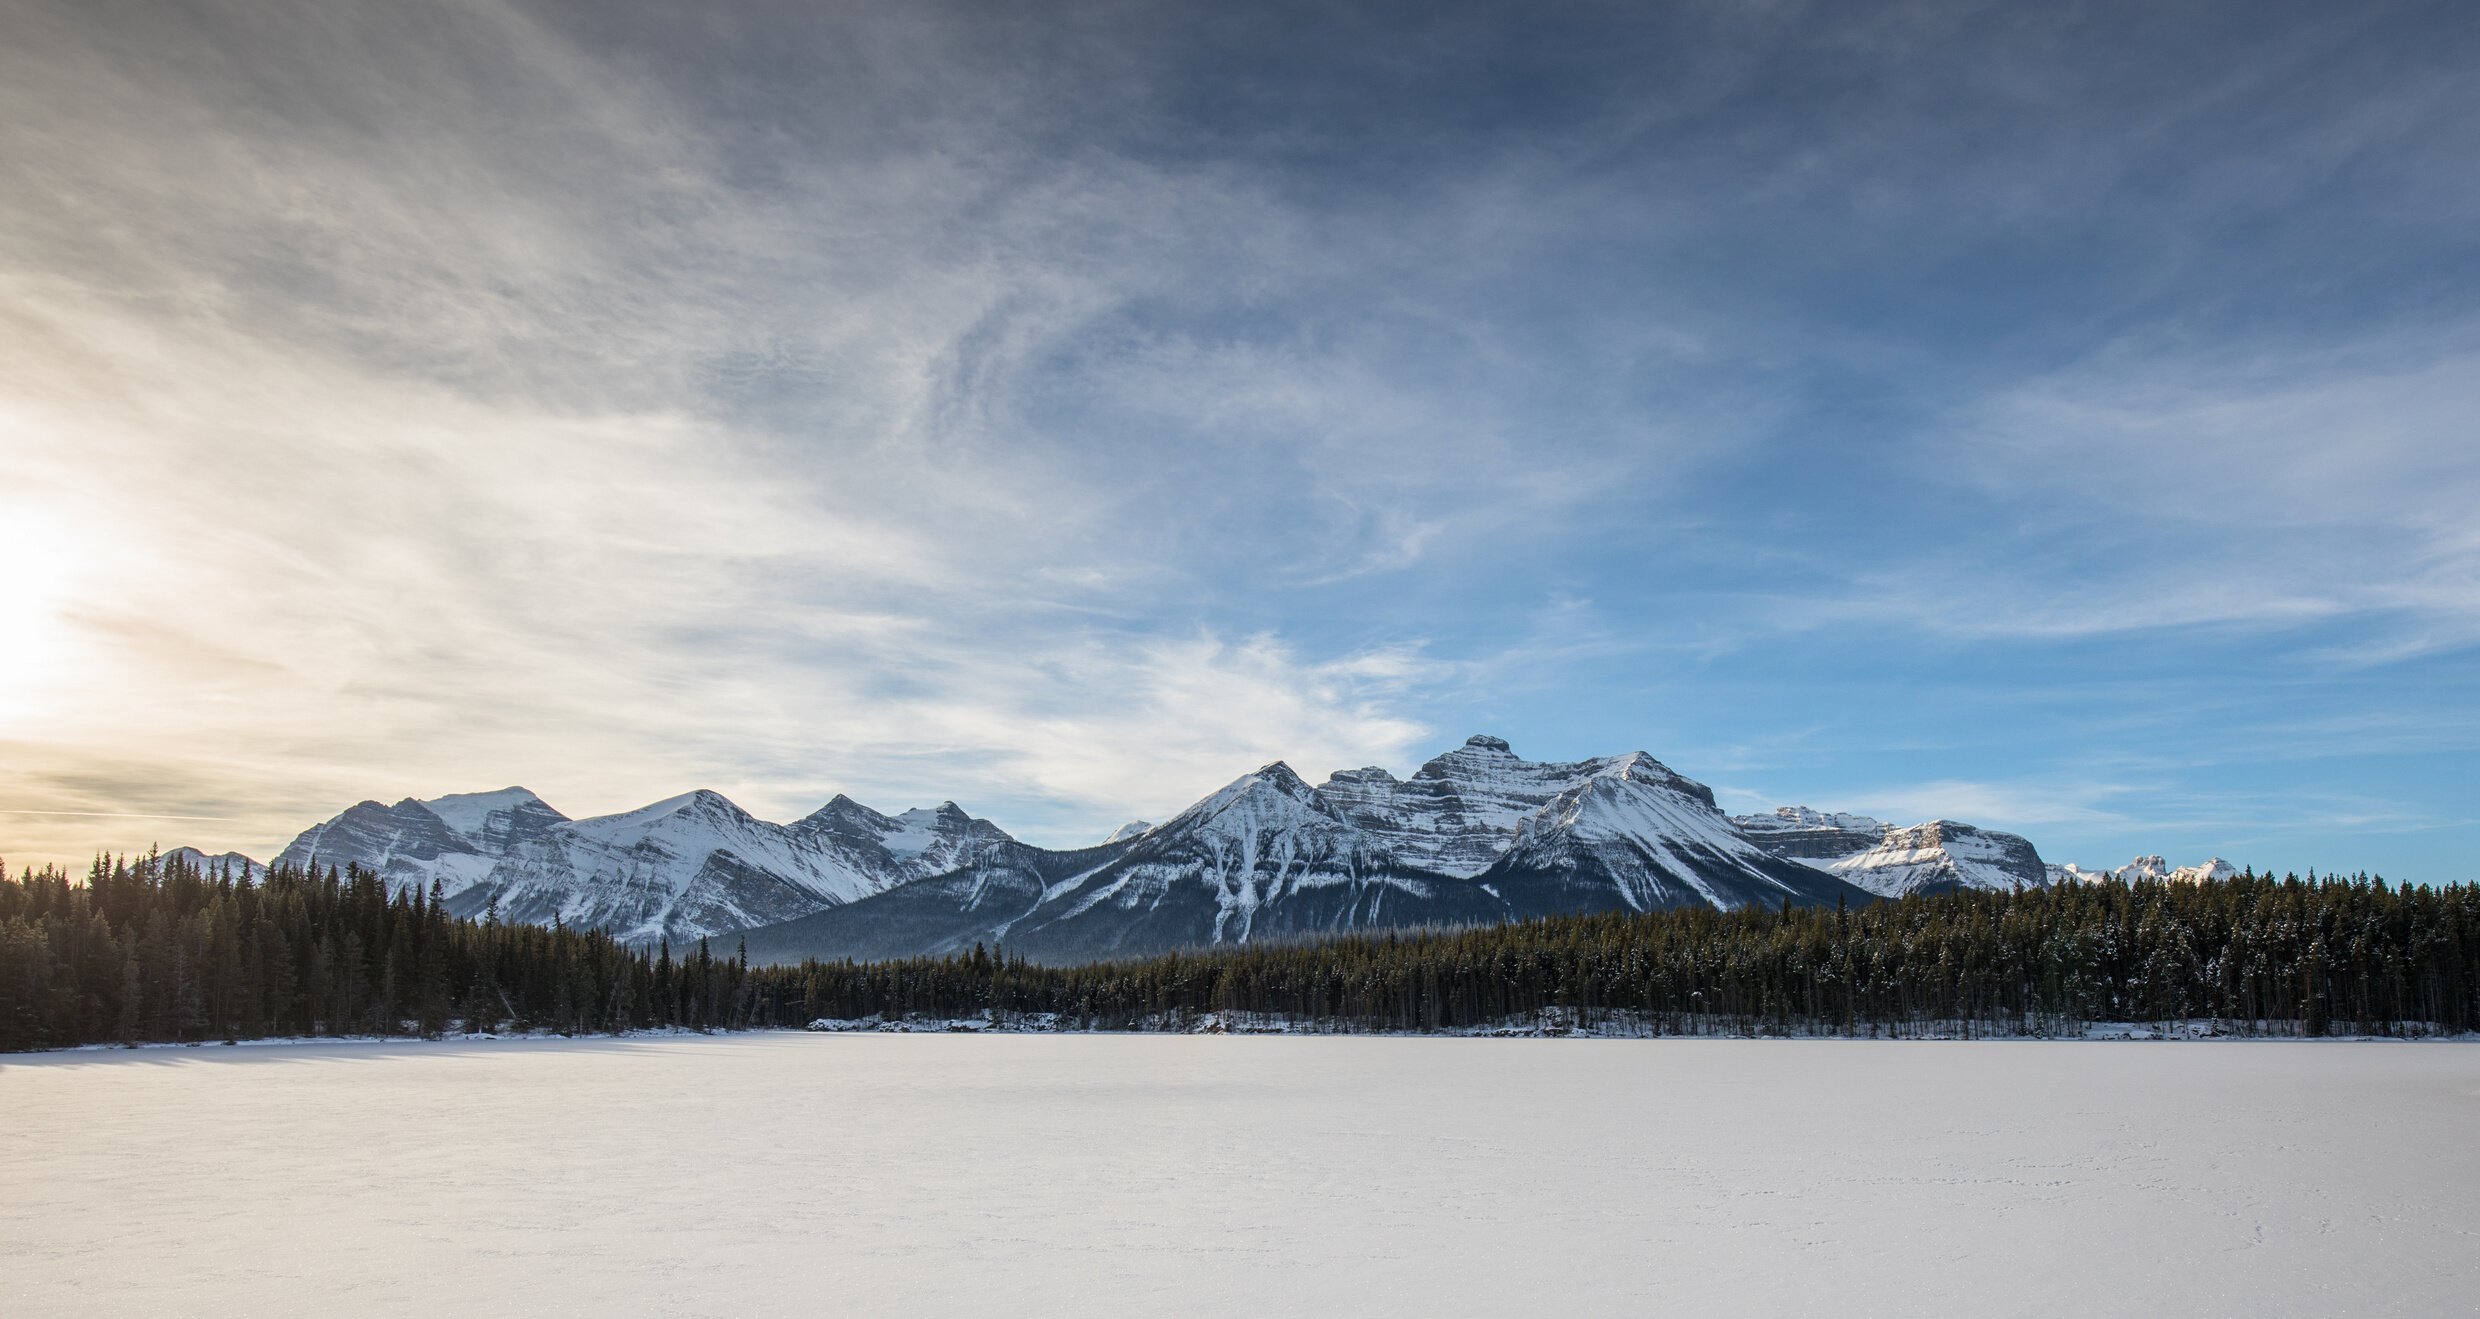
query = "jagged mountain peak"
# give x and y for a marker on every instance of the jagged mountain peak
(1274, 784)
(1132, 829)
(845, 813)
(1641, 767)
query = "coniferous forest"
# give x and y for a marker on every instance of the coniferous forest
(151, 950)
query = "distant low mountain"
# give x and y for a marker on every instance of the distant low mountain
(1477, 835)
(2144, 868)
(228, 863)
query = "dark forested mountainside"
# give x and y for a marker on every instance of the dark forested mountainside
(162, 950)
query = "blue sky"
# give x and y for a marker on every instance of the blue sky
(2058, 418)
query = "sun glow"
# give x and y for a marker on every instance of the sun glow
(38, 569)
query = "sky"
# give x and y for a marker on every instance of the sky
(2064, 419)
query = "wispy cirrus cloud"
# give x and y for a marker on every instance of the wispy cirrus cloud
(1068, 412)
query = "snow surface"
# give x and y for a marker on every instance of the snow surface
(1124, 1175)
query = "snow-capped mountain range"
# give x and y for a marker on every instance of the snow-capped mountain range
(683, 867)
(1478, 834)
(2146, 868)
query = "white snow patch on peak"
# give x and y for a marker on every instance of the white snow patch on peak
(1132, 829)
(1636, 797)
(2213, 869)
(469, 812)
(703, 802)
(923, 829)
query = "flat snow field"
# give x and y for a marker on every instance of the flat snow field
(1172, 1175)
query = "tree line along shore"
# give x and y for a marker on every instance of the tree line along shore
(155, 950)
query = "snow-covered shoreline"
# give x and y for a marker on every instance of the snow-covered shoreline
(1549, 1026)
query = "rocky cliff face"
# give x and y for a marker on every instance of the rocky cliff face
(1800, 834)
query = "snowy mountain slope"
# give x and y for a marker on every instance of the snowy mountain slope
(979, 903)
(1635, 835)
(407, 844)
(1267, 856)
(679, 868)
(1941, 856)
(1938, 856)
(914, 844)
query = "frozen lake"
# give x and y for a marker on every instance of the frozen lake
(1074, 1175)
